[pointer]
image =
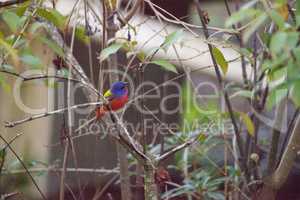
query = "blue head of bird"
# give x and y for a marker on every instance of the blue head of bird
(119, 89)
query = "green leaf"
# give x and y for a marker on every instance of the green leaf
(166, 65)
(215, 195)
(277, 18)
(21, 8)
(63, 72)
(202, 137)
(295, 94)
(242, 93)
(298, 8)
(245, 52)
(129, 46)
(7, 67)
(141, 56)
(11, 51)
(292, 39)
(220, 59)
(248, 123)
(31, 61)
(53, 16)
(81, 35)
(4, 84)
(297, 21)
(249, 4)
(12, 20)
(278, 42)
(171, 39)
(296, 52)
(113, 48)
(266, 38)
(2, 155)
(52, 45)
(259, 21)
(35, 26)
(281, 1)
(241, 15)
(276, 95)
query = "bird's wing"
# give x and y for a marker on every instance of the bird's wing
(108, 95)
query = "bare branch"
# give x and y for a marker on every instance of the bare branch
(9, 195)
(100, 191)
(54, 169)
(24, 166)
(11, 2)
(46, 114)
(38, 76)
(133, 10)
(176, 149)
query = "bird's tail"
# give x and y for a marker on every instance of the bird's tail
(100, 111)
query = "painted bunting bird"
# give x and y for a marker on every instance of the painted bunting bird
(117, 97)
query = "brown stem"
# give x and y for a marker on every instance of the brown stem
(133, 10)
(63, 174)
(37, 76)
(11, 2)
(176, 149)
(288, 132)
(221, 84)
(101, 189)
(46, 114)
(150, 186)
(280, 175)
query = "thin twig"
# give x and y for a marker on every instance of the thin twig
(8, 196)
(101, 189)
(24, 166)
(239, 37)
(186, 25)
(176, 149)
(11, 2)
(37, 76)
(63, 174)
(133, 10)
(54, 169)
(12, 124)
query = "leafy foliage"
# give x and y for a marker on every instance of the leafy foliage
(220, 59)
(53, 16)
(12, 20)
(202, 183)
(248, 123)
(281, 46)
(171, 39)
(165, 65)
(111, 49)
